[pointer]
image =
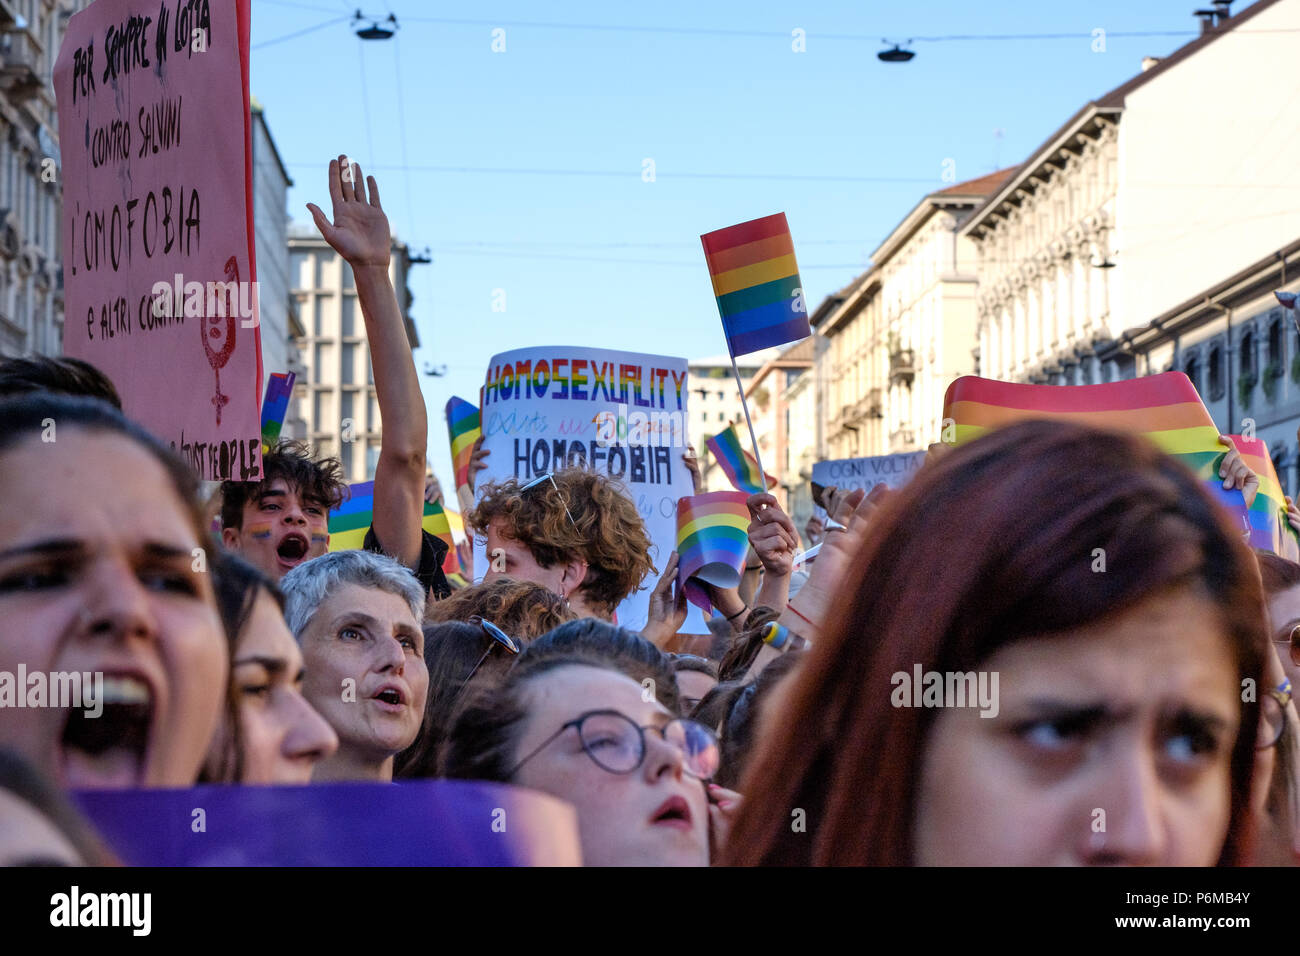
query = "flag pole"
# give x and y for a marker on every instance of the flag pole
(748, 421)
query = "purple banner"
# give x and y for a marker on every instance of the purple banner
(408, 823)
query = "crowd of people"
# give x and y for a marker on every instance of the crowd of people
(1140, 710)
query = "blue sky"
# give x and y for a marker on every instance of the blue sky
(522, 170)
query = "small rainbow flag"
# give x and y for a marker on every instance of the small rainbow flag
(279, 388)
(712, 542)
(464, 429)
(737, 464)
(1165, 408)
(756, 281)
(350, 520)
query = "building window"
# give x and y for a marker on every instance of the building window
(348, 317)
(372, 413)
(300, 270)
(322, 371)
(372, 458)
(349, 362)
(1216, 373)
(1193, 370)
(1275, 343)
(1247, 353)
(324, 410)
(345, 457)
(345, 404)
(722, 417)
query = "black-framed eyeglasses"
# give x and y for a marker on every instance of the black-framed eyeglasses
(616, 743)
(499, 639)
(1272, 715)
(550, 476)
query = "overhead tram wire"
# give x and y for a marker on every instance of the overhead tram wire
(299, 33)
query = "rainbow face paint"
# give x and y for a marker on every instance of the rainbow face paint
(260, 531)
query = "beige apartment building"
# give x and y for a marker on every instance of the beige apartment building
(31, 253)
(715, 402)
(769, 402)
(896, 336)
(336, 393)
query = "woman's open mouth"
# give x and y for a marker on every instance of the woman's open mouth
(110, 751)
(673, 812)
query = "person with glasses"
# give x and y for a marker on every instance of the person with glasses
(1123, 617)
(574, 532)
(567, 723)
(459, 655)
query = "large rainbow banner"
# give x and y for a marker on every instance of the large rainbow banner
(712, 542)
(1165, 408)
(756, 282)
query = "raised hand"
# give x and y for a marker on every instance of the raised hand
(772, 534)
(693, 466)
(1236, 473)
(359, 232)
(667, 610)
(476, 460)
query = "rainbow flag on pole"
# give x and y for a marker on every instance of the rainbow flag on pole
(464, 428)
(737, 464)
(712, 542)
(349, 521)
(756, 282)
(1165, 408)
(279, 389)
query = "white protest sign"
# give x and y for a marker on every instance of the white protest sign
(621, 414)
(865, 473)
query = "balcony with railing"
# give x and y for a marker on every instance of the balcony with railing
(902, 367)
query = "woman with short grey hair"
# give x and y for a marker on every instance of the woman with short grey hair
(356, 616)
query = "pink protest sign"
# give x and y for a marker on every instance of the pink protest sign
(159, 272)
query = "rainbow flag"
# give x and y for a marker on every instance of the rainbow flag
(349, 521)
(712, 542)
(756, 281)
(464, 429)
(1165, 408)
(279, 389)
(737, 464)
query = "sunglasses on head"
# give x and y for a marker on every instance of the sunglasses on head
(549, 476)
(499, 638)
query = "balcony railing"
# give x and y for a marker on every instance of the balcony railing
(20, 69)
(902, 366)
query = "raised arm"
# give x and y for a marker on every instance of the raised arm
(360, 234)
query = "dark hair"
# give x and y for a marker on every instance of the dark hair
(1278, 574)
(692, 662)
(482, 741)
(623, 650)
(62, 375)
(741, 726)
(25, 415)
(713, 708)
(606, 530)
(22, 780)
(237, 585)
(745, 646)
(522, 609)
(451, 649)
(993, 544)
(319, 480)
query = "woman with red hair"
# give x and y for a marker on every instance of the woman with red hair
(1037, 655)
